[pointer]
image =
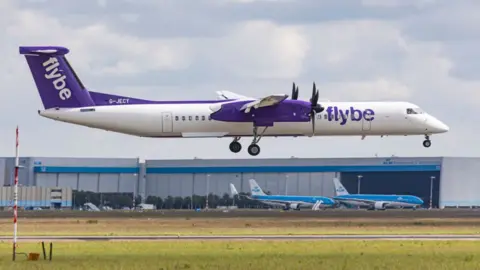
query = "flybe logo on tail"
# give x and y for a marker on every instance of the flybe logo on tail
(52, 73)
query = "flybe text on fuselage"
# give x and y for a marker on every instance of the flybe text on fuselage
(52, 72)
(335, 113)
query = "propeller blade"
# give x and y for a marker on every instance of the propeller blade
(313, 123)
(294, 92)
(313, 93)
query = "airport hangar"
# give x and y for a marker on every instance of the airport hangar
(453, 181)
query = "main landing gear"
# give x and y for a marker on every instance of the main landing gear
(253, 148)
(235, 146)
(427, 143)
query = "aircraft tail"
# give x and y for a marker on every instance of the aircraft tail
(255, 189)
(233, 190)
(339, 188)
(56, 81)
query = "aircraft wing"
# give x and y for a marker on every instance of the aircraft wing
(264, 102)
(275, 201)
(230, 95)
(356, 200)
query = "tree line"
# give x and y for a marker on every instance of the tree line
(121, 200)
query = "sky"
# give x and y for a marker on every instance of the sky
(421, 51)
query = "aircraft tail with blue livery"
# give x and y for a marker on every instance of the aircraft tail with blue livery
(289, 202)
(374, 201)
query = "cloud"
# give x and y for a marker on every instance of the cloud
(260, 49)
(421, 51)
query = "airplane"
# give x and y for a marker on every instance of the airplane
(65, 98)
(233, 190)
(374, 201)
(288, 202)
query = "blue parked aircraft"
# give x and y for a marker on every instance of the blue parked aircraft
(288, 202)
(374, 201)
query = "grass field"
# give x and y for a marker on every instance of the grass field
(238, 226)
(355, 255)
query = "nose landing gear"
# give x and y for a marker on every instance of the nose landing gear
(427, 143)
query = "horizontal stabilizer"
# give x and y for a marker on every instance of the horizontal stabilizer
(43, 50)
(230, 95)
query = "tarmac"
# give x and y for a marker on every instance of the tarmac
(246, 238)
(250, 213)
(338, 214)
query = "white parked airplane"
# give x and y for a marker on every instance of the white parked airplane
(66, 99)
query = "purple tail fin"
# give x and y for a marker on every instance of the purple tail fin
(57, 83)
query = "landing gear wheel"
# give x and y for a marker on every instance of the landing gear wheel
(427, 143)
(254, 149)
(235, 147)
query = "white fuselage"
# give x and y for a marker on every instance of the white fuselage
(192, 120)
(388, 203)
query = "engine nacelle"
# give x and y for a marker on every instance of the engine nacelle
(380, 205)
(295, 206)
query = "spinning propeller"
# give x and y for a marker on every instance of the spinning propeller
(315, 107)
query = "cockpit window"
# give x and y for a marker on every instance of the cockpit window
(414, 111)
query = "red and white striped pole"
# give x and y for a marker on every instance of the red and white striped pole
(15, 198)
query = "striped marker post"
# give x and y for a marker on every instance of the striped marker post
(15, 198)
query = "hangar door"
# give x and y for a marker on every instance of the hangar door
(46, 179)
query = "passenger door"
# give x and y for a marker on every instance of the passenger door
(167, 122)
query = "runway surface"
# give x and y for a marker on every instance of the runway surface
(246, 237)
(252, 213)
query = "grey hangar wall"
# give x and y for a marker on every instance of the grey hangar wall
(455, 181)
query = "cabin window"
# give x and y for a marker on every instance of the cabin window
(183, 118)
(190, 118)
(196, 118)
(203, 117)
(325, 116)
(176, 118)
(209, 118)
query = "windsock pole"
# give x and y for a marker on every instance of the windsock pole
(15, 198)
